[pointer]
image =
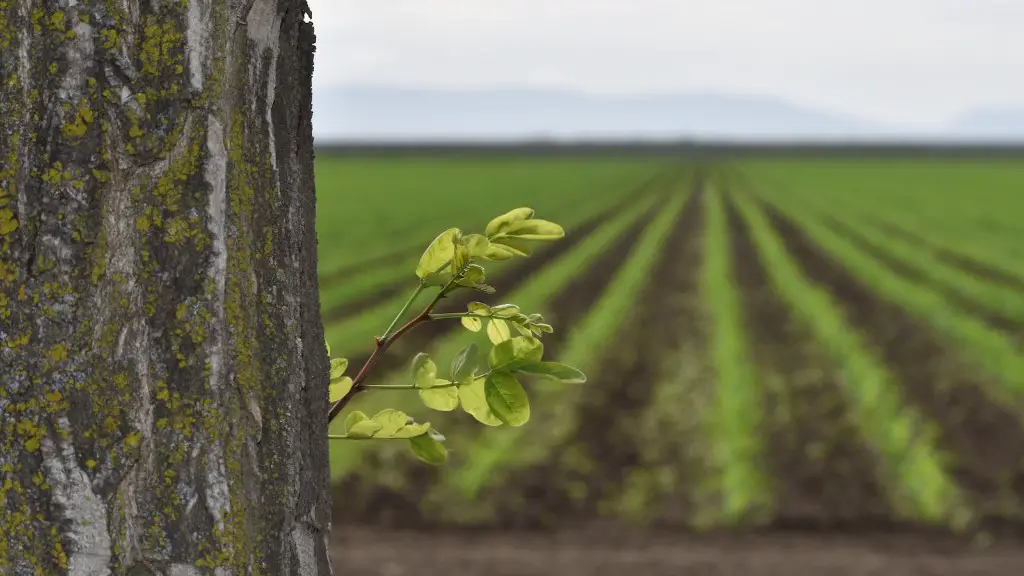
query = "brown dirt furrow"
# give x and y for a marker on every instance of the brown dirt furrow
(985, 440)
(339, 275)
(1006, 325)
(358, 502)
(617, 552)
(965, 263)
(825, 475)
(508, 279)
(590, 467)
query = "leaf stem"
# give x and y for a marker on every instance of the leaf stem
(382, 343)
(455, 315)
(347, 437)
(406, 386)
(408, 304)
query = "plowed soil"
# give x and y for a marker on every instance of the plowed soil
(934, 378)
(823, 471)
(618, 553)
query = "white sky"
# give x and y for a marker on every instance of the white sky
(905, 61)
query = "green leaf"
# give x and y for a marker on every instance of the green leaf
(521, 319)
(461, 259)
(363, 429)
(477, 245)
(475, 274)
(507, 398)
(424, 371)
(328, 344)
(479, 308)
(391, 421)
(354, 418)
(497, 331)
(504, 310)
(412, 430)
(512, 353)
(471, 396)
(472, 324)
(534, 229)
(464, 364)
(338, 367)
(498, 253)
(443, 399)
(524, 330)
(436, 279)
(485, 288)
(440, 252)
(339, 388)
(554, 371)
(429, 450)
(515, 246)
(501, 223)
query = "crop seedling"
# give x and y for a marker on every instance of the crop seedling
(494, 396)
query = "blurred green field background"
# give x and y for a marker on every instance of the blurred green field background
(756, 332)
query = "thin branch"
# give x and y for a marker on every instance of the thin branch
(385, 342)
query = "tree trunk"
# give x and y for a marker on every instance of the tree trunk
(163, 407)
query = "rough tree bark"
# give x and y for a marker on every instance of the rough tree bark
(164, 392)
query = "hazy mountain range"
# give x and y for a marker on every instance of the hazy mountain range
(390, 113)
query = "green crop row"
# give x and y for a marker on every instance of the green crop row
(924, 199)
(998, 298)
(921, 488)
(736, 414)
(989, 349)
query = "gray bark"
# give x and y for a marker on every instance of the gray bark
(163, 376)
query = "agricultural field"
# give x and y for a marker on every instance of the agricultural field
(773, 347)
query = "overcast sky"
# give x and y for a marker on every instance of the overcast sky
(906, 61)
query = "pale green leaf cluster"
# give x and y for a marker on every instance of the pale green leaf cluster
(486, 384)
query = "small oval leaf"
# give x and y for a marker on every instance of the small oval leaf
(471, 323)
(501, 223)
(363, 429)
(424, 371)
(338, 367)
(507, 398)
(535, 230)
(554, 371)
(464, 364)
(429, 450)
(443, 399)
(439, 254)
(391, 421)
(498, 331)
(339, 388)
(471, 396)
(412, 430)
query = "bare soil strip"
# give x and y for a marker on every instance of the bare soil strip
(357, 502)
(986, 440)
(621, 388)
(339, 275)
(617, 552)
(824, 473)
(992, 318)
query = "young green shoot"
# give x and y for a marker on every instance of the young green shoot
(492, 394)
